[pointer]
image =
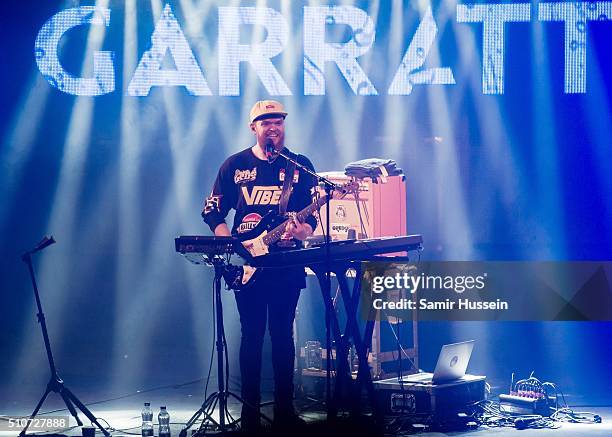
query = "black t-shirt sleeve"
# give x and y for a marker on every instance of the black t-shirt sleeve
(222, 199)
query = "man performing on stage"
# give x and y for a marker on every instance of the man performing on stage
(252, 182)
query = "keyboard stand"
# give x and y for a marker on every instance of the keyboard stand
(344, 383)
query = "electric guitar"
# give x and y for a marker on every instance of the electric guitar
(270, 229)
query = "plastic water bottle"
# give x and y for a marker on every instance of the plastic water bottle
(147, 420)
(164, 423)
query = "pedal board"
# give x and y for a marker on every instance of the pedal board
(525, 405)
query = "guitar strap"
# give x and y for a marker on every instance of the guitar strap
(287, 184)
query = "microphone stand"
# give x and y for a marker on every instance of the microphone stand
(329, 188)
(322, 180)
(55, 384)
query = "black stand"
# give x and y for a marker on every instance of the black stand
(329, 187)
(351, 301)
(55, 385)
(226, 422)
(332, 408)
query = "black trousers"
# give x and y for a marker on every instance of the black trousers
(271, 301)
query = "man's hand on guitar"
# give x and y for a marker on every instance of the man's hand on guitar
(297, 230)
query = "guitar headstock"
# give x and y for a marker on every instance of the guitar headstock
(340, 191)
(350, 187)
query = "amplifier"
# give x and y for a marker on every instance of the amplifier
(379, 209)
(436, 401)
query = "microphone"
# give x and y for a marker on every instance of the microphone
(47, 240)
(270, 150)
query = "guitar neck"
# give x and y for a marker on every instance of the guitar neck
(275, 234)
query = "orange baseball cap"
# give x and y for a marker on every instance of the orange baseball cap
(266, 107)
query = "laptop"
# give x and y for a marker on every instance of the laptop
(452, 364)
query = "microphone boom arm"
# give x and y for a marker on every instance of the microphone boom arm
(329, 185)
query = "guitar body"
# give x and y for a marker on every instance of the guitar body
(239, 277)
(252, 242)
(251, 245)
(258, 241)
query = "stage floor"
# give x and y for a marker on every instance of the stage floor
(124, 416)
